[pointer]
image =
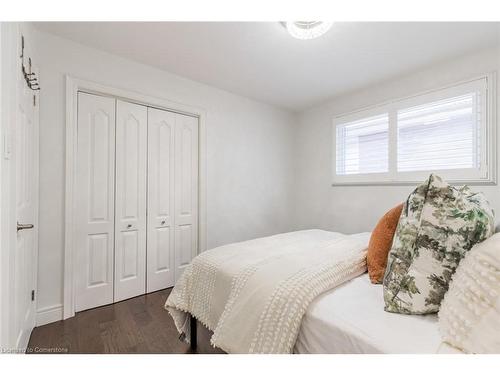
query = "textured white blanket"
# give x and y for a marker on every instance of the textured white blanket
(253, 294)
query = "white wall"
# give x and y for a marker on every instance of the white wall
(357, 208)
(249, 153)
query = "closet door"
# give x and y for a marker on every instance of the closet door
(95, 184)
(160, 244)
(186, 191)
(130, 207)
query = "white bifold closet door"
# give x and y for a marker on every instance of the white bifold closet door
(186, 191)
(161, 136)
(137, 199)
(95, 189)
(172, 196)
(130, 200)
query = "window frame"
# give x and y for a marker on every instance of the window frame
(485, 175)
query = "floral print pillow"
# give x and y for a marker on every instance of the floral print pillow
(439, 224)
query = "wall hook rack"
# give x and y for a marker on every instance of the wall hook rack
(29, 75)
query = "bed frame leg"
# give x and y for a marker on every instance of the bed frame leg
(193, 336)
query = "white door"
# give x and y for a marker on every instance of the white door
(26, 186)
(95, 190)
(160, 237)
(130, 207)
(186, 191)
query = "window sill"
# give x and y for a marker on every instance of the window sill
(489, 182)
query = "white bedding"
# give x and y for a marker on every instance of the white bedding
(351, 319)
(253, 294)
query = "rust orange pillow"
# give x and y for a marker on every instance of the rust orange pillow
(380, 244)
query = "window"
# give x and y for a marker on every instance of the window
(439, 135)
(448, 131)
(363, 145)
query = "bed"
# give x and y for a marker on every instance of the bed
(351, 319)
(300, 292)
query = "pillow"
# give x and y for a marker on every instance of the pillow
(469, 317)
(380, 244)
(438, 225)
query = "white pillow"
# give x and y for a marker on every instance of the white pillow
(469, 316)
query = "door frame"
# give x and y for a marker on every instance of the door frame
(73, 86)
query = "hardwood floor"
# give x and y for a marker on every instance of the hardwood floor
(137, 325)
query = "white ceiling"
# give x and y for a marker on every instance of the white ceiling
(261, 61)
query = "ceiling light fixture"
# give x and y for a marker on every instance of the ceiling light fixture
(307, 29)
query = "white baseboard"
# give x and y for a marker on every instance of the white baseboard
(49, 314)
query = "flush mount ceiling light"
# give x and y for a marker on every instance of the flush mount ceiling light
(307, 29)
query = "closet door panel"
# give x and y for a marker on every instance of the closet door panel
(186, 191)
(130, 210)
(160, 243)
(95, 206)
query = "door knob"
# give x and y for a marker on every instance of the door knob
(24, 226)
(129, 226)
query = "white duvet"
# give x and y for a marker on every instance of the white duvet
(350, 319)
(253, 294)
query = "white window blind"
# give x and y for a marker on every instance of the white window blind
(445, 131)
(362, 146)
(440, 135)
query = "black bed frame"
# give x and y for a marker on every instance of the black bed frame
(193, 332)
